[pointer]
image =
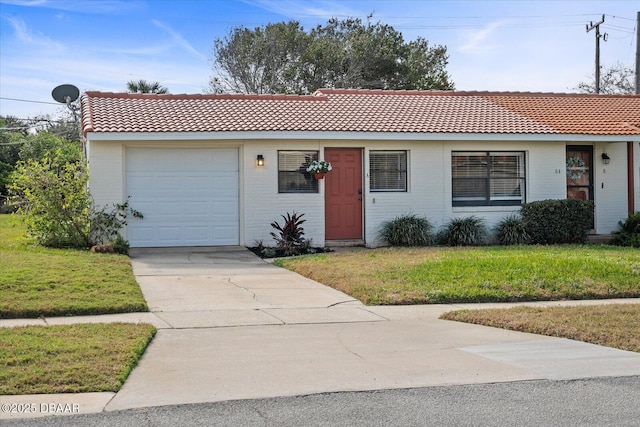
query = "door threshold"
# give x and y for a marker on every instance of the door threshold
(344, 243)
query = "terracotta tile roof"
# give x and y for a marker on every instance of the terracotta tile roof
(336, 110)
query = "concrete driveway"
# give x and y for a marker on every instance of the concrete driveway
(240, 328)
(232, 326)
(230, 286)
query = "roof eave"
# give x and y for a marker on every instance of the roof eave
(381, 136)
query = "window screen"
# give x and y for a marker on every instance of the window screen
(487, 178)
(292, 172)
(388, 170)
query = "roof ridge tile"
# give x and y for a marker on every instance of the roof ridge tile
(188, 96)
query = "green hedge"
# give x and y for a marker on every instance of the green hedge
(557, 221)
(628, 233)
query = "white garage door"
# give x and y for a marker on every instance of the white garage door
(188, 197)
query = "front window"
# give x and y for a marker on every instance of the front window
(388, 170)
(292, 172)
(487, 178)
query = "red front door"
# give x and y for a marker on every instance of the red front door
(343, 194)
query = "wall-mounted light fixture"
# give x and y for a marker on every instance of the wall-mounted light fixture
(605, 158)
(260, 160)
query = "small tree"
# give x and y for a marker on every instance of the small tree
(9, 149)
(54, 201)
(56, 149)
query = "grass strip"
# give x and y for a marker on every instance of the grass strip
(38, 281)
(611, 325)
(390, 276)
(70, 358)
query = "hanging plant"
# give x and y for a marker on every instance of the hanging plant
(319, 168)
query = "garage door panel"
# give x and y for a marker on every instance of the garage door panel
(169, 233)
(142, 235)
(223, 233)
(227, 209)
(224, 180)
(196, 209)
(197, 233)
(189, 197)
(168, 185)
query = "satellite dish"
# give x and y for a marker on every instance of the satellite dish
(65, 94)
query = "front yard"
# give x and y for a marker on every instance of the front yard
(611, 325)
(389, 276)
(528, 273)
(70, 359)
(37, 281)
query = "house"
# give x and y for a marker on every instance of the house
(208, 170)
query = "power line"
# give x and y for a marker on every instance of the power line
(34, 120)
(620, 17)
(29, 100)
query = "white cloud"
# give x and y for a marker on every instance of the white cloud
(480, 41)
(27, 37)
(115, 7)
(307, 9)
(179, 40)
(26, 2)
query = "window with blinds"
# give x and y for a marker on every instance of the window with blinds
(488, 178)
(388, 170)
(292, 172)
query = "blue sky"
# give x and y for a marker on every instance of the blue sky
(102, 44)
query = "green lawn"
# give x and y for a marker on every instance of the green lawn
(485, 274)
(527, 273)
(37, 281)
(71, 358)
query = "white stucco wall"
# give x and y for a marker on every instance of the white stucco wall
(610, 186)
(262, 202)
(429, 181)
(429, 192)
(106, 172)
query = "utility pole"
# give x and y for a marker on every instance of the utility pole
(638, 55)
(590, 27)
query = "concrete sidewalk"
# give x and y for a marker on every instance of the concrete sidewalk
(232, 326)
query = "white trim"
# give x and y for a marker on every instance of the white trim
(379, 136)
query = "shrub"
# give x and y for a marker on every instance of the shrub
(557, 221)
(469, 231)
(290, 235)
(407, 230)
(54, 201)
(57, 207)
(511, 231)
(104, 227)
(628, 233)
(16, 146)
(120, 245)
